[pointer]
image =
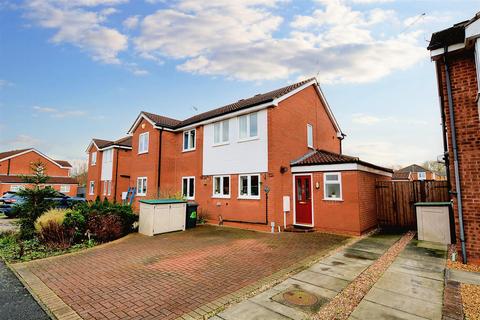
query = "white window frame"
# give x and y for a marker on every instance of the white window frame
(65, 188)
(143, 146)
(424, 175)
(221, 125)
(249, 187)
(16, 187)
(93, 160)
(144, 183)
(248, 137)
(109, 188)
(339, 182)
(221, 194)
(309, 136)
(105, 187)
(189, 133)
(91, 188)
(188, 188)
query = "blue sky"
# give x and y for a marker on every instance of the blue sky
(71, 70)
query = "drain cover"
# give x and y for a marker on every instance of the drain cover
(300, 298)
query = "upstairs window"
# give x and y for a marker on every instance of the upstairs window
(107, 156)
(93, 160)
(142, 186)
(249, 186)
(188, 187)
(221, 186)
(91, 188)
(310, 136)
(189, 140)
(143, 142)
(248, 126)
(422, 175)
(332, 183)
(220, 132)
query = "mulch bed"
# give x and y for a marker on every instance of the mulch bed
(345, 302)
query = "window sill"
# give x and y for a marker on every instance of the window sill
(220, 144)
(333, 199)
(248, 198)
(248, 139)
(143, 152)
(141, 195)
(220, 197)
(188, 150)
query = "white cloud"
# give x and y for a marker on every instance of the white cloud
(370, 1)
(5, 83)
(365, 119)
(56, 113)
(78, 26)
(21, 141)
(131, 22)
(239, 40)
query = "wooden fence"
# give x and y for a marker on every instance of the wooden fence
(395, 200)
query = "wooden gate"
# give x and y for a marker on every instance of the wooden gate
(396, 199)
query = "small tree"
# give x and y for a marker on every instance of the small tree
(36, 199)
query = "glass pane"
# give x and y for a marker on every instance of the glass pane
(226, 185)
(254, 185)
(299, 190)
(243, 126)
(192, 139)
(216, 133)
(145, 186)
(243, 185)
(307, 189)
(139, 186)
(145, 142)
(331, 177)
(191, 190)
(253, 125)
(309, 136)
(185, 140)
(216, 185)
(225, 131)
(333, 190)
(184, 187)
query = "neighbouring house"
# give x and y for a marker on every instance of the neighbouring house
(456, 53)
(415, 172)
(242, 162)
(108, 168)
(15, 163)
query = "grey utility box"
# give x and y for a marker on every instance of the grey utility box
(433, 221)
(161, 216)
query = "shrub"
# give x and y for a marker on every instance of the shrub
(74, 220)
(52, 215)
(55, 235)
(105, 227)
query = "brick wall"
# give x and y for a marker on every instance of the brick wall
(21, 165)
(464, 91)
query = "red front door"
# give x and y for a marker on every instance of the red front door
(303, 200)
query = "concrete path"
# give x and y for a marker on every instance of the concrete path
(463, 276)
(411, 288)
(15, 301)
(306, 292)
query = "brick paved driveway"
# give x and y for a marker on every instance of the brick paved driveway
(170, 275)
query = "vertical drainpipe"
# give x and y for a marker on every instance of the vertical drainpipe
(116, 177)
(458, 188)
(8, 167)
(159, 161)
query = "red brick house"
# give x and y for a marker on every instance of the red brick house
(456, 53)
(415, 172)
(240, 161)
(15, 163)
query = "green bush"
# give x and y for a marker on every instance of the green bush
(74, 220)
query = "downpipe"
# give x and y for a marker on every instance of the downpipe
(458, 188)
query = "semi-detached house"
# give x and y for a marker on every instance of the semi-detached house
(243, 162)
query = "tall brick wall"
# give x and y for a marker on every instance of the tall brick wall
(21, 165)
(467, 123)
(367, 199)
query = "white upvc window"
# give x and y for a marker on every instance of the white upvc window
(309, 136)
(142, 186)
(107, 187)
(221, 187)
(189, 140)
(248, 126)
(16, 187)
(107, 156)
(91, 188)
(221, 132)
(65, 188)
(93, 158)
(422, 175)
(332, 186)
(188, 188)
(249, 186)
(143, 141)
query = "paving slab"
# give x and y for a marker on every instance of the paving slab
(321, 280)
(464, 276)
(433, 266)
(289, 283)
(339, 259)
(413, 286)
(370, 246)
(436, 275)
(248, 310)
(264, 299)
(367, 310)
(346, 272)
(404, 303)
(360, 254)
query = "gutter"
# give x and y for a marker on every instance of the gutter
(458, 188)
